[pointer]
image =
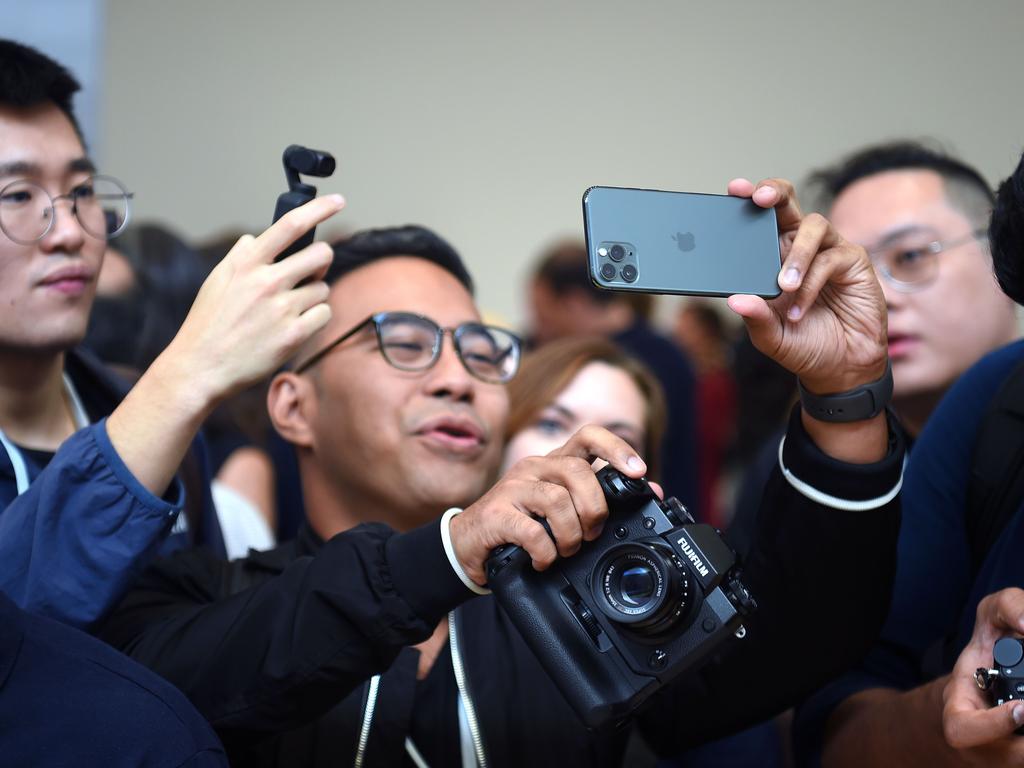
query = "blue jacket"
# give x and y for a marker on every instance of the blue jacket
(935, 596)
(76, 538)
(66, 699)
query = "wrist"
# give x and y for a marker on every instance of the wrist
(833, 382)
(855, 442)
(449, 527)
(860, 403)
(180, 388)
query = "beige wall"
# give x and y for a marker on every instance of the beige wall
(487, 121)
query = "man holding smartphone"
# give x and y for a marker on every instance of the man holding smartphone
(394, 421)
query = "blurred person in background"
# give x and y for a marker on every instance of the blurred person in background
(700, 331)
(564, 302)
(923, 217)
(912, 701)
(145, 289)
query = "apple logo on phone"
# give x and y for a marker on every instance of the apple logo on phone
(685, 241)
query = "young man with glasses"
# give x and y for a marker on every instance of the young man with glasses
(396, 411)
(923, 215)
(925, 218)
(86, 500)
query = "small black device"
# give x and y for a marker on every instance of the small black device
(310, 162)
(1005, 681)
(653, 596)
(688, 243)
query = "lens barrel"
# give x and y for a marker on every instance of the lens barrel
(643, 586)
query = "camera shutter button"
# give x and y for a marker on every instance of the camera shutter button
(1008, 652)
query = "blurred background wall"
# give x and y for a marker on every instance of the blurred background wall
(486, 121)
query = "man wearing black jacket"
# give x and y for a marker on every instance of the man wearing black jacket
(270, 648)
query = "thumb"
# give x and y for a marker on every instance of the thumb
(968, 729)
(762, 323)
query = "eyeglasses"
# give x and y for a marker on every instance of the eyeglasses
(101, 205)
(910, 265)
(412, 342)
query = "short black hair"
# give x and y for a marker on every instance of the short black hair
(29, 78)
(966, 188)
(1006, 235)
(371, 245)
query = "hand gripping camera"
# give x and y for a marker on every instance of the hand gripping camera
(629, 612)
(1005, 681)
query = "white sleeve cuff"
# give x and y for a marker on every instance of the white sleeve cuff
(820, 497)
(446, 540)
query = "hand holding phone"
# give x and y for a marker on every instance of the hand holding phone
(680, 242)
(311, 162)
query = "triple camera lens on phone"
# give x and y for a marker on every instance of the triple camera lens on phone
(618, 263)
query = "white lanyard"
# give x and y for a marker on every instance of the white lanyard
(470, 741)
(78, 414)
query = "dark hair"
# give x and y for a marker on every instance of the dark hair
(29, 78)
(371, 245)
(132, 329)
(1006, 235)
(563, 267)
(965, 187)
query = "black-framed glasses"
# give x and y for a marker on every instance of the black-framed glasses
(910, 264)
(101, 204)
(411, 342)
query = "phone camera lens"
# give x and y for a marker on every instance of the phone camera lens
(617, 253)
(608, 272)
(629, 273)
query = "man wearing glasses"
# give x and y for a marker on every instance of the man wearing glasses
(396, 413)
(86, 500)
(923, 216)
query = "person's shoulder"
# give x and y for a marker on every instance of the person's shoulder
(117, 703)
(989, 372)
(659, 352)
(963, 406)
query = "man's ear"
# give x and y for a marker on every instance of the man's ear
(290, 403)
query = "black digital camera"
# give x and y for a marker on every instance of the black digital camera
(649, 599)
(1005, 681)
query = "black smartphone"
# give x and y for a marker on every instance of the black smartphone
(680, 242)
(310, 162)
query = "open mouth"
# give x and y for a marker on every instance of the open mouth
(453, 434)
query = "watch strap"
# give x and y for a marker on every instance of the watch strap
(857, 404)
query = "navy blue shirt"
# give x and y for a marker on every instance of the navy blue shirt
(83, 529)
(66, 699)
(935, 596)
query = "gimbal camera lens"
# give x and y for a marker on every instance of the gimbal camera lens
(309, 162)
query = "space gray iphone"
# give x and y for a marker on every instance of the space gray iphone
(680, 242)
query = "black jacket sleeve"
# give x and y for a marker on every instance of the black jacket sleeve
(822, 578)
(281, 653)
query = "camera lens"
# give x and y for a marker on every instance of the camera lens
(638, 585)
(607, 271)
(629, 273)
(642, 585)
(617, 253)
